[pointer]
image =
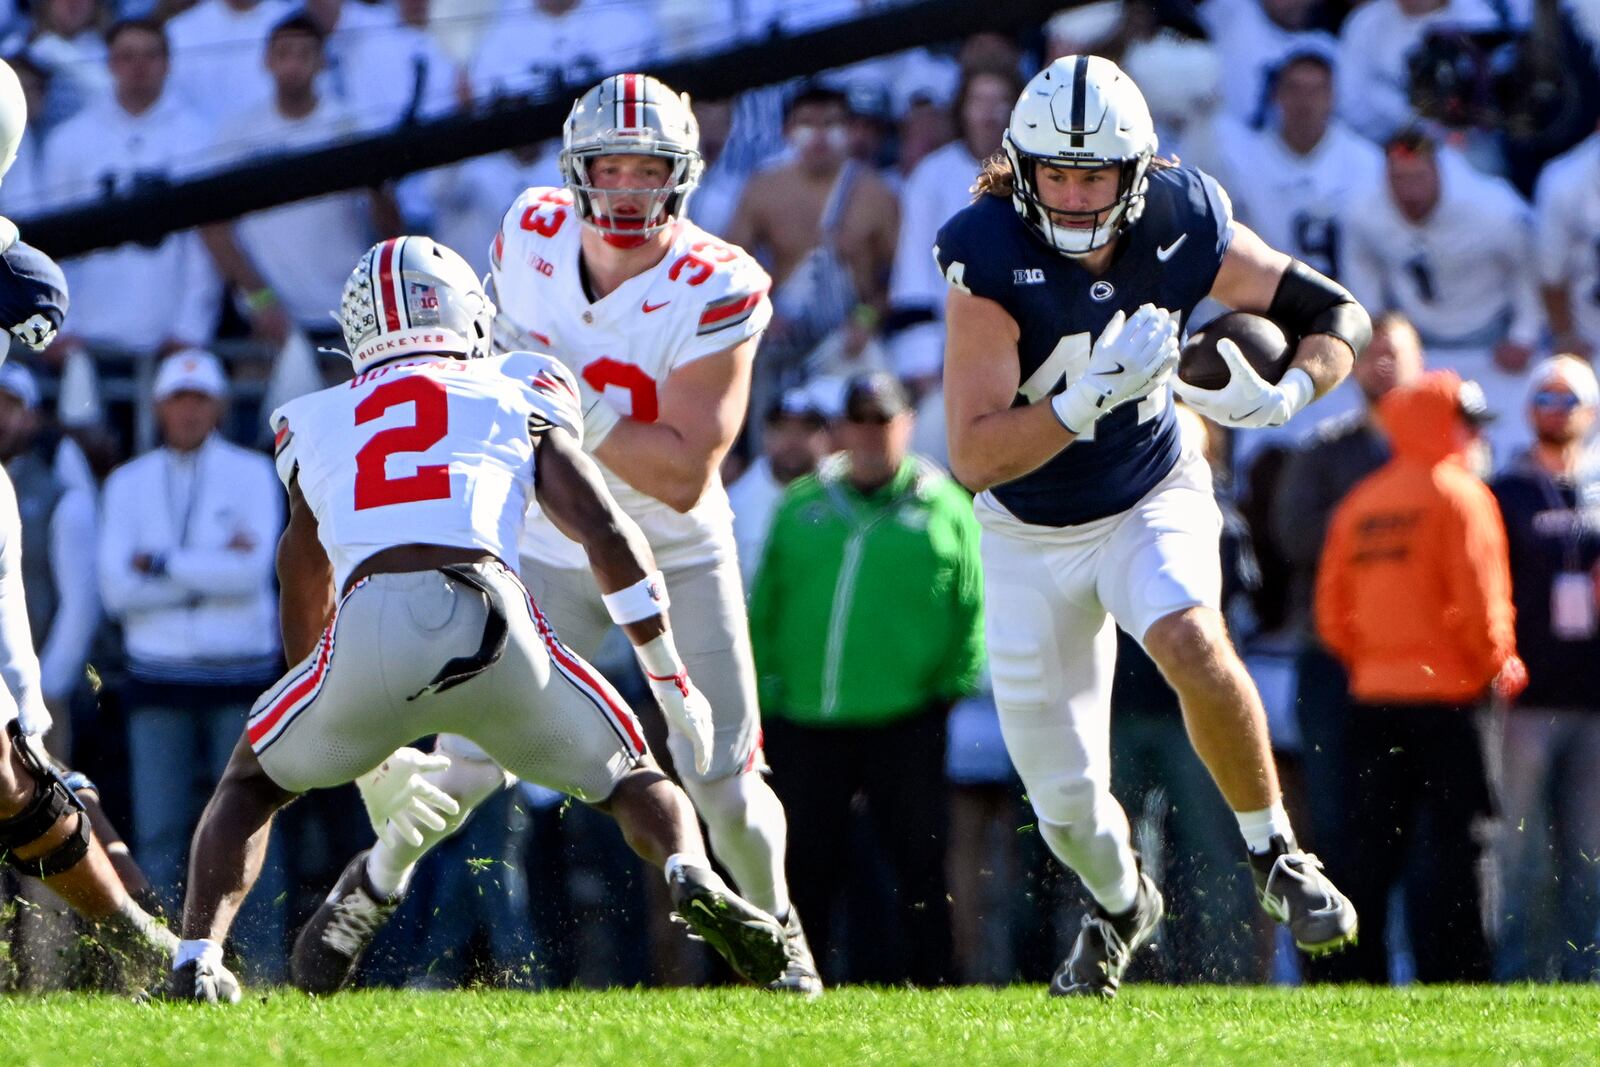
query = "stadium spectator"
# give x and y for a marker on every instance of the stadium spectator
(1293, 180)
(1414, 598)
(940, 186)
(720, 185)
(1567, 217)
(538, 45)
(185, 560)
(133, 297)
(347, 26)
(1254, 40)
(68, 44)
(866, 620)
(1453, 249)
(1341, 452)
(825, 226)
(1374, 43)
(58, 537)
(267, 256)
(402, 72)
(468, 199)
(216, 53)
(1550, 750)
(795, 441)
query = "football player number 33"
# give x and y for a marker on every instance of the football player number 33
(374, 487)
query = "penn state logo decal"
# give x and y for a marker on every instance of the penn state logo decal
(1102, 291)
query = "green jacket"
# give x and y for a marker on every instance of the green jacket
(868, 608)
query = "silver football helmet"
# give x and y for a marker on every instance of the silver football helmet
(1080, 111)
(13, 116)
(634, 114)
(409, 296)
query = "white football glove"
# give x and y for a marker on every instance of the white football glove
(1133, 356)
(401, 802)
(1247, 400)
(687, 709)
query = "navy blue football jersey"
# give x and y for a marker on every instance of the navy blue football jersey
(1168, 258)
(33, 295)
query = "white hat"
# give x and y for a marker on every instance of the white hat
(191, 370)
(1574, 373)
(19, 382)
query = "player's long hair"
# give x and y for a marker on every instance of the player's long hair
(995, 177)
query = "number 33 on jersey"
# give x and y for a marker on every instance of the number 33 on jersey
(704, 297)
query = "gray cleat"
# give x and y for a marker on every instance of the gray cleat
(1294, 891)
(800, 974)
(1106, 944)
(752, 941)
(332, 941)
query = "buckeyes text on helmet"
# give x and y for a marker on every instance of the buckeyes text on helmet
(412, 296)
(1080, 112)
(631, 114)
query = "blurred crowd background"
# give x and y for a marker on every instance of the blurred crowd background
(1438, 157)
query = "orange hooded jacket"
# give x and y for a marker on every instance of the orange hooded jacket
(1414, 587)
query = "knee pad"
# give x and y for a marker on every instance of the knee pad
(726, 799)
(1067, 803)
(52, 798)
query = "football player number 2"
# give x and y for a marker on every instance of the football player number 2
(1067, 362)
(430, 422)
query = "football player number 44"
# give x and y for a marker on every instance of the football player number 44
(430, 422)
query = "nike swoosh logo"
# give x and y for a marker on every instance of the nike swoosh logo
(649, 307)
(1164, 254)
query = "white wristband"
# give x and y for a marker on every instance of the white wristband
(1076, 408)
(659, 657)
(642, 599)
(1298, 387)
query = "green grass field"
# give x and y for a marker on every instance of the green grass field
(1503, 1026)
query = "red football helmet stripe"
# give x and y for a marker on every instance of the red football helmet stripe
(386, 286)
(630, 100)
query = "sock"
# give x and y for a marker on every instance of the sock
(389, 870)
(679, 860)
(205, 951)
(1260, 827)
(748, 832)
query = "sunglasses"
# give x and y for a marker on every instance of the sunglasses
(1555, 399)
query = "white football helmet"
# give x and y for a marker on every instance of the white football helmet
(634, 114)
(1080, 111)
(409, 296)
(13, 116)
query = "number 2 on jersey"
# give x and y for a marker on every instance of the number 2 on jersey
(374, 487)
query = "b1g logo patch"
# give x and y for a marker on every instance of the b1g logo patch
(1028, 276)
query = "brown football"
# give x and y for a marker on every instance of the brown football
(1263, 343)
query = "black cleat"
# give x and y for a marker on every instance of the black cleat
(332, 941)
(1294, 891)
(1106, 944)
(202, 982)
(800, 972)
(753, 942)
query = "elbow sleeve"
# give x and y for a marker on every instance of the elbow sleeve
(1308, 302)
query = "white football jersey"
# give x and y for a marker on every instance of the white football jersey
(433, 450)
(1296, 202)
(1567, 204)
(1462, 275)
(704, 297)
